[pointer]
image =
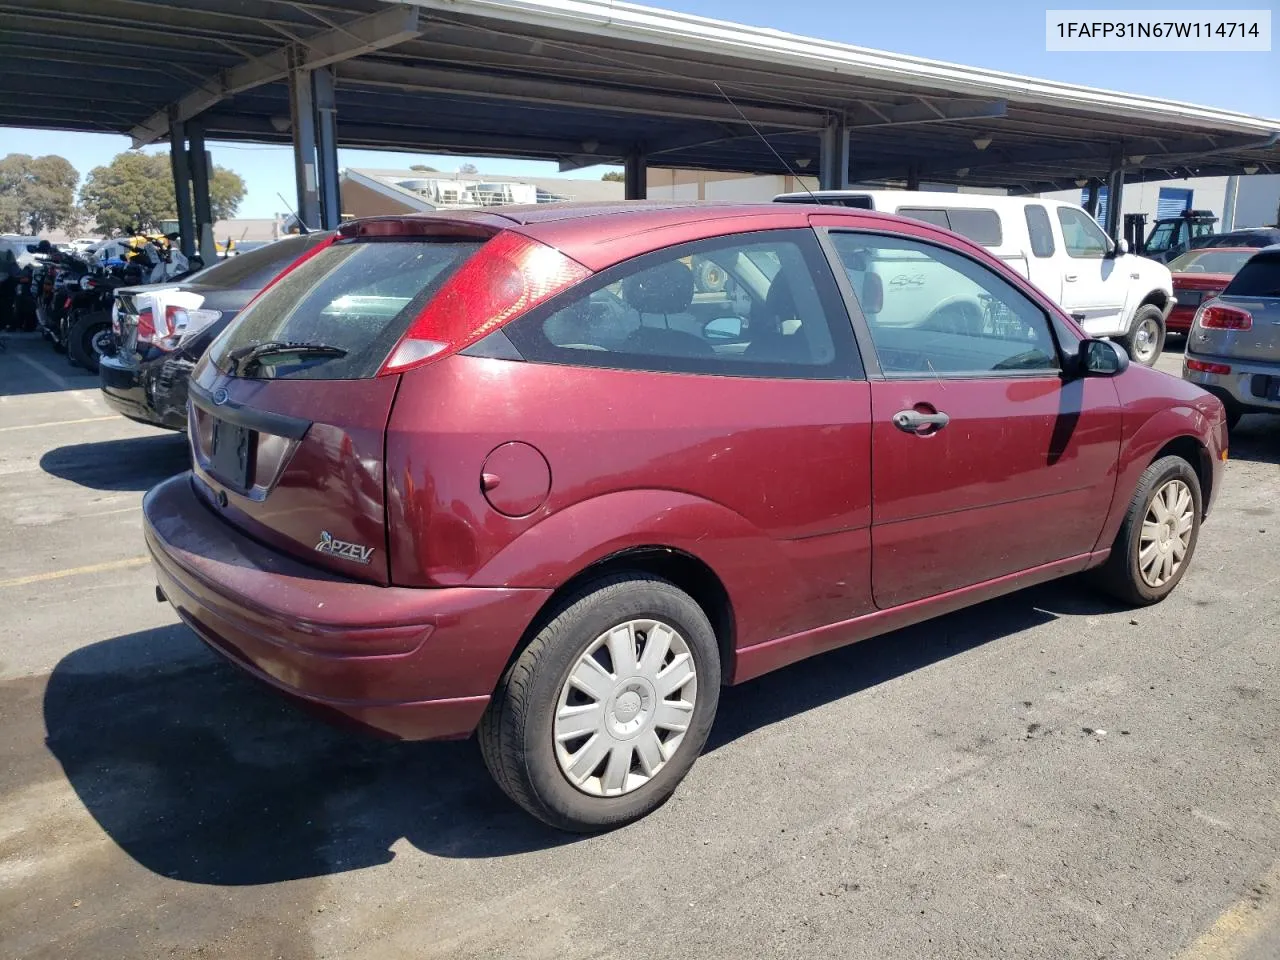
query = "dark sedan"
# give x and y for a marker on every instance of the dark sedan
(162, 330)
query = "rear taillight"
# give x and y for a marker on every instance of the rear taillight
(1218, 316)
(1199, 366)
(508, 276)
(146, 325)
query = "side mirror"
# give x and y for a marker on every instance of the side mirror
(1121, 248)
(1101, 358)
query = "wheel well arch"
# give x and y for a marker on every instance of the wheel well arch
(682, 569)
(1156, 298)
(1194, 452)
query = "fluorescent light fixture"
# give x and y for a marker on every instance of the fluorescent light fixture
(983, 141)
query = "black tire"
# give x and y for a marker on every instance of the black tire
(1148, 315)
(516, 733)
(80, 350)
(1121, 575)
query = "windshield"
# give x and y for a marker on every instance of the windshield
(355, 297)
(1210, 261)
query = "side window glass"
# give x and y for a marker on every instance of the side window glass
(933, 312)
(980, 226)
(929, 215)
(760, 304)
(1040, 230)
(1161, 238)
(1081, 235)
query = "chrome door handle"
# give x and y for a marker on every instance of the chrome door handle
(921, 424)
(1071, 277)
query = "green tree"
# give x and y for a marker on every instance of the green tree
(423, 168)
(136, 190)
(615, 176)
(226, 190)
(36, 193)
(467, 168)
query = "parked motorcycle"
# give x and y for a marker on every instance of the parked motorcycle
(74, 294)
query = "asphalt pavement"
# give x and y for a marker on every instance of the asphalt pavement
(1045, 775)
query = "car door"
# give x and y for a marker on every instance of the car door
(1094, 283)
(986, 459)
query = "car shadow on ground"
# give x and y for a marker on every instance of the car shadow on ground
(202, 775)
(136, 463)
(28, 366)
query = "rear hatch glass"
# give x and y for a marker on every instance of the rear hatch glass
(339, 314)
(288, 419)
(1260, 277)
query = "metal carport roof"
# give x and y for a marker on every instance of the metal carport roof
(587, 81)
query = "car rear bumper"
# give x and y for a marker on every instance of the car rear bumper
(148, 392)
(1247, 386)
(412, 663)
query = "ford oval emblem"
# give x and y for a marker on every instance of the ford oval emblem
(220, 396)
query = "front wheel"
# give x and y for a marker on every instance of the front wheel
(604, 712)
(1158, 537)
(1145, 339)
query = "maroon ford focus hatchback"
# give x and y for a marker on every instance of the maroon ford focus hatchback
(557, 473)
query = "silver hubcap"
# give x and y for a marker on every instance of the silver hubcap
(1144, 340)
(1166, 533)
(625, 707)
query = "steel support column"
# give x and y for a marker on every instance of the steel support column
(182, 188)
(326, 148)
(636, 175)
(833, 157)
(302, 116)
(1115, 203)
(1091, 199)
(913, 177)
(201, 173)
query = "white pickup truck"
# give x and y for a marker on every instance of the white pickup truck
(1057, 246)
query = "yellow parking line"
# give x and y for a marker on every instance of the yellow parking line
(76, 571)
(56, 423)
(1240, 925)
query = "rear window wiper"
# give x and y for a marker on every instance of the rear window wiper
(245, 358)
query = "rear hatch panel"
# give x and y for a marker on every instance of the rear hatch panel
(289, 406)
(297, 464)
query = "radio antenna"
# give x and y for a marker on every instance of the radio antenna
(302, 227)
(765, 140)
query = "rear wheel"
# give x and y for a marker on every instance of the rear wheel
(602, 715)
(1145, 339)
(1158, 537)
(86, 340)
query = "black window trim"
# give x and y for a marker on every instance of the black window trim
(848, 363)
(862, 329)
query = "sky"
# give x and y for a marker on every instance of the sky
(1006, 35)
